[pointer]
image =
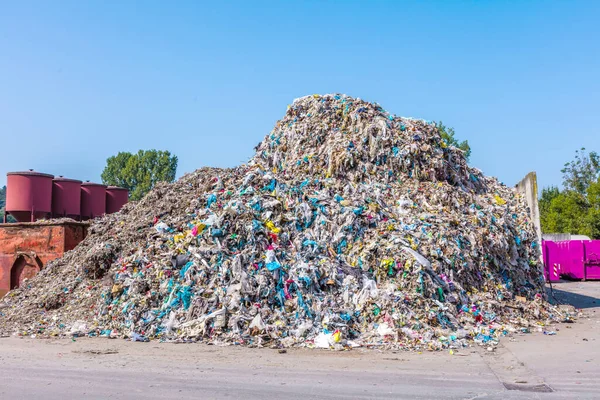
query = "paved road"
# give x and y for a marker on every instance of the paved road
(568, 364)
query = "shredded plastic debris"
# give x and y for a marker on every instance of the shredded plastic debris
(349, 227)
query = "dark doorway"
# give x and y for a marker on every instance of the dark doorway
(24, 267)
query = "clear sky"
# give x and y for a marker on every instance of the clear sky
(83, 80)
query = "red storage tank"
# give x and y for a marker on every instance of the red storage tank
(93, 200)
(116, 197)
(28, 195)
(66, 198)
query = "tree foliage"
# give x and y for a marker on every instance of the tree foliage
(2, 202)
(139, 172)
(545, 204)
(447, 133)
(583, 171)
(576, 208)
(566, 214)
(3, 206)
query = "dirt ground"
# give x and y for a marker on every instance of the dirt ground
(533, 366)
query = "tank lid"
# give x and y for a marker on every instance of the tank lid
(61, 178)
(88, 183)
(30, 173)
(116, 188)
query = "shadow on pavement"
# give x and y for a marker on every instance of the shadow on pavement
(574, 299)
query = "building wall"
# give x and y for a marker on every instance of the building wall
(27, 247)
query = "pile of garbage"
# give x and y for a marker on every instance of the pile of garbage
(349, 227)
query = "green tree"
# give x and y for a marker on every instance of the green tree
(2, 202)
(580, 173)
(448, 133)
(576, 208)
(545, 204)
(593, 215)
(566, 213)
(3, 206)
(139, 172)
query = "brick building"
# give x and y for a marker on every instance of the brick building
(25, 248)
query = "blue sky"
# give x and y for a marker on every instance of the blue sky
(83, 80)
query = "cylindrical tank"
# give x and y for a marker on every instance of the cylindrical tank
(28, 195)
(66, 198)
(93, 200)
(116, 197)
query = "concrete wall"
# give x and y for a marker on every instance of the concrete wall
(25, 248)
(528, 187)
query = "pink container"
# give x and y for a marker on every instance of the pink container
(28, 195)
(116, 197)
(93, 200)
(573, 259)
(592, 259)
(66, 198)
(552, 266)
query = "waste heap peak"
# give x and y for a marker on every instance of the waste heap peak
(338, 136)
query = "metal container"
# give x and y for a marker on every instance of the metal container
(592, 259)
(116, 197)
(572, 259)
(93, 200)
(28, 195)
(66, 198)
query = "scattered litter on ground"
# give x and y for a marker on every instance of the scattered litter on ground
(98, 352)
(350, 227)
